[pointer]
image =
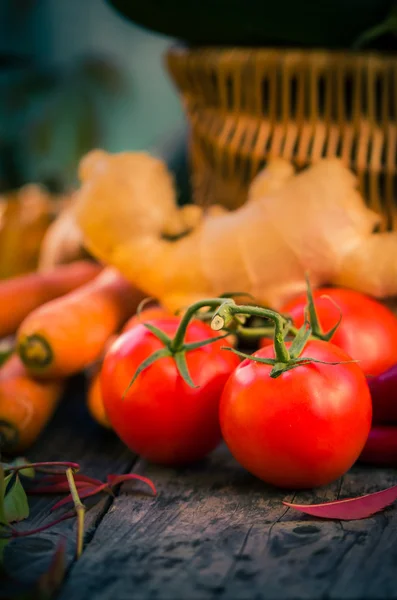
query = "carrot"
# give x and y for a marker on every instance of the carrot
(68, 334)
(26, 405)
(95, 400)
(94, 393)
(20, 295)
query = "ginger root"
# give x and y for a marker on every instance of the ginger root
(63, 241)
(314, 221)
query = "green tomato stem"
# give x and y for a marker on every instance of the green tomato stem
(228, 311)
(262, 332)
(177, 342)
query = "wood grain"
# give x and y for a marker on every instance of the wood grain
(216, 532)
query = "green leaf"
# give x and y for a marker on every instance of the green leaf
(16, 505)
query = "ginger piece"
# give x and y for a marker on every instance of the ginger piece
(314, 221)
(62, 242)
(25, 215)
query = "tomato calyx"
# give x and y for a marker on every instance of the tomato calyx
(176, 347)
(238, 321)
(313, 316)
(285, 358)
(317, 333)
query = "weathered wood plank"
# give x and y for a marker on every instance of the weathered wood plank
(72, 436)
(215, 531)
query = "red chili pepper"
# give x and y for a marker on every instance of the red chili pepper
(381, 447)
(384, 396)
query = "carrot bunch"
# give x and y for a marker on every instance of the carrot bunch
(63, 321)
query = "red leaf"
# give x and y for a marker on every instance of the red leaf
(46, 467)
(85, 492)
(78, 477)
(352, 508)
(55, 488)
(16, 533)
(114, 480)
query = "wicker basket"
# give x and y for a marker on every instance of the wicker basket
(246, 105)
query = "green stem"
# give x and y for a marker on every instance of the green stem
(178, 340)
(80, 511)
(228, 311)
(262, 332)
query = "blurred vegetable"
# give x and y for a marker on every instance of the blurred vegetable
(312, 221)
(25, 215)
(26, 405)
(62, 242)
(94, 392)
(384, 396)
(21, 295)
(95, 399)
(68, 334)
(381, 447)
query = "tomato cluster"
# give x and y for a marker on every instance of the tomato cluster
(298, 428)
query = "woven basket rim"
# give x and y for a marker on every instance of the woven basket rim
(178, 49)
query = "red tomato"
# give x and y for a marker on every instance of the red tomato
(147, 314)
(303, 429)
(367, 332)
(161, 418)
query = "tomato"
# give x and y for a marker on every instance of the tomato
(147, 314)
(303, 429)
(161, 417)
(367, 332)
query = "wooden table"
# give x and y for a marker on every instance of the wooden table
(212, 531)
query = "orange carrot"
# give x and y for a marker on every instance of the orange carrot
(68, 334)
(94, 392)
(20, 295)
(26, 405)
(95, 400)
